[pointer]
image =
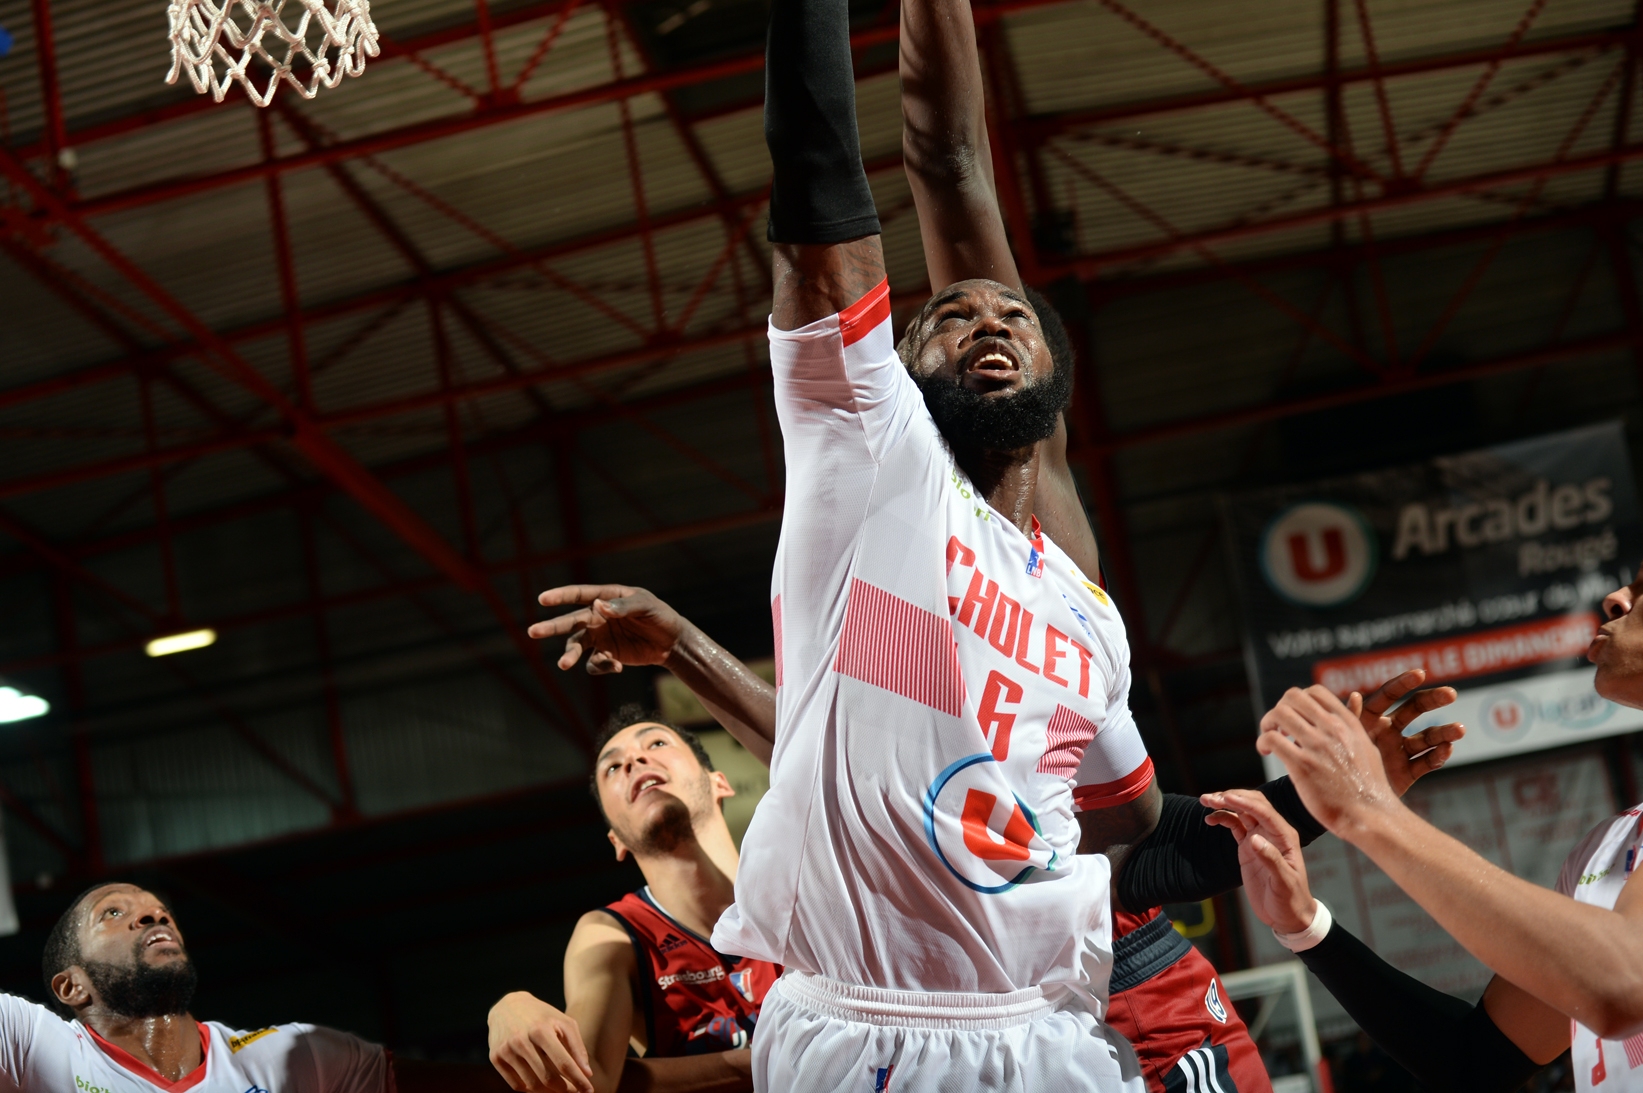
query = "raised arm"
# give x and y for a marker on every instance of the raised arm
(944, 146)
(822, 219)
(616, 625)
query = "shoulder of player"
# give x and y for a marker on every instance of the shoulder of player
(599, 940)
(268, 1036)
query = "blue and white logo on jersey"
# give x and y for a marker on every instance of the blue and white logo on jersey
(742, 982)
(1035, 563)
(881, 1080)
(983, 833)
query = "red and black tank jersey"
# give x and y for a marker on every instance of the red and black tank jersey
(696, 1000)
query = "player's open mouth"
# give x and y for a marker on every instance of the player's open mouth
(159, 937)
(648, 781)
(991, 366)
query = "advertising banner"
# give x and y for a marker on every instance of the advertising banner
(1487, 569)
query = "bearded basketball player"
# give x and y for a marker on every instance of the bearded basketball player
(641, 971)
(954, 684)
(121, 982)
(1568, 963)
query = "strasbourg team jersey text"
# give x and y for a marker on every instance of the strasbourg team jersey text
(40, 1052)
(950, 691)
(695, 1000)
(1595, 872)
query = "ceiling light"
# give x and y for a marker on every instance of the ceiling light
(180, 643)
(17, 706)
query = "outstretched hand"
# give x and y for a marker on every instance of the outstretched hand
(614, 625)
(1269, 856)
(1337, 768)
(1407, 758)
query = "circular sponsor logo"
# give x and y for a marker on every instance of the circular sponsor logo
(1578, 709)
(1318, 554)
(1508, 716)
(983, 833)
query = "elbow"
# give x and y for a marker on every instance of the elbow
(1617, 1013)
(946, 159)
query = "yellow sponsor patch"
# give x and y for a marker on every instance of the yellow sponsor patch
(1100, 596)
(237, 1042)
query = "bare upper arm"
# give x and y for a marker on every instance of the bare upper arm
(1114, 831)
(599, 985)
(814, 281)
(1539, 1031)
(945, 147)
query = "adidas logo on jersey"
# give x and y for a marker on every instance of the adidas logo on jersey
(670, 942)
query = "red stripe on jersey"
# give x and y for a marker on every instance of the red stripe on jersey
(1108, 794)
(901, 647)
(1069, 735)
(148, 1073)
(863, 317)
(776, 627)
(1634, 1050)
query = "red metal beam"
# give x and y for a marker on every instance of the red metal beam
(51, 93)
(326, 455)
(1594, 41)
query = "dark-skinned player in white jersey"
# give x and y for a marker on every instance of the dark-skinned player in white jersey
(121, 983)
(1568, 963)
(541, 1049)
(918, 889)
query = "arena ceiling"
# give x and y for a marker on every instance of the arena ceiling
(348, 380)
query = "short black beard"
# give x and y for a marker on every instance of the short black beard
(974, 423)
(144, 990)
(670, 830)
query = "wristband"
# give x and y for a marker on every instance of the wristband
(1302, 940)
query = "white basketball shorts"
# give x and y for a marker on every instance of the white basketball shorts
(817, 1035)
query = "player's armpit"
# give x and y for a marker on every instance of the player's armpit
(1060, 510)
(1539, 1031)
(813, 281)
(721, 1072)
(599, 974)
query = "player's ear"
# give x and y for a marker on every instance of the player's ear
(71, 987)
(721, 785)
(621, 847)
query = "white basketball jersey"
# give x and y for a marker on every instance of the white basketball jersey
(42, 1053)
(950, 691)
(1595, 872)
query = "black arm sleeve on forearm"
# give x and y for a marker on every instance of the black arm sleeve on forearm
(819, 193)
(1445, 1043)
(1185, 860)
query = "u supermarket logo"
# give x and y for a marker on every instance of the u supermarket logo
(1318, 554)
(984, 834)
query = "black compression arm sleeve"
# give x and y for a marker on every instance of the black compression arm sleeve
(1445, 1043)
(1185, 860)
(819, 193)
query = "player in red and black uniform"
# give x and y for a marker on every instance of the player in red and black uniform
(640, 972)
(683, 980)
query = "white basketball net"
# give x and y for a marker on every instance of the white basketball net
(218, 41)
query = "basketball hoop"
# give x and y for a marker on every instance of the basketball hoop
(216, 41)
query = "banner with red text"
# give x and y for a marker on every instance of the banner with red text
(1487, 569)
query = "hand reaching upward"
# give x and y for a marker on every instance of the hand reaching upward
(1269, 857)
(1407, 758)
